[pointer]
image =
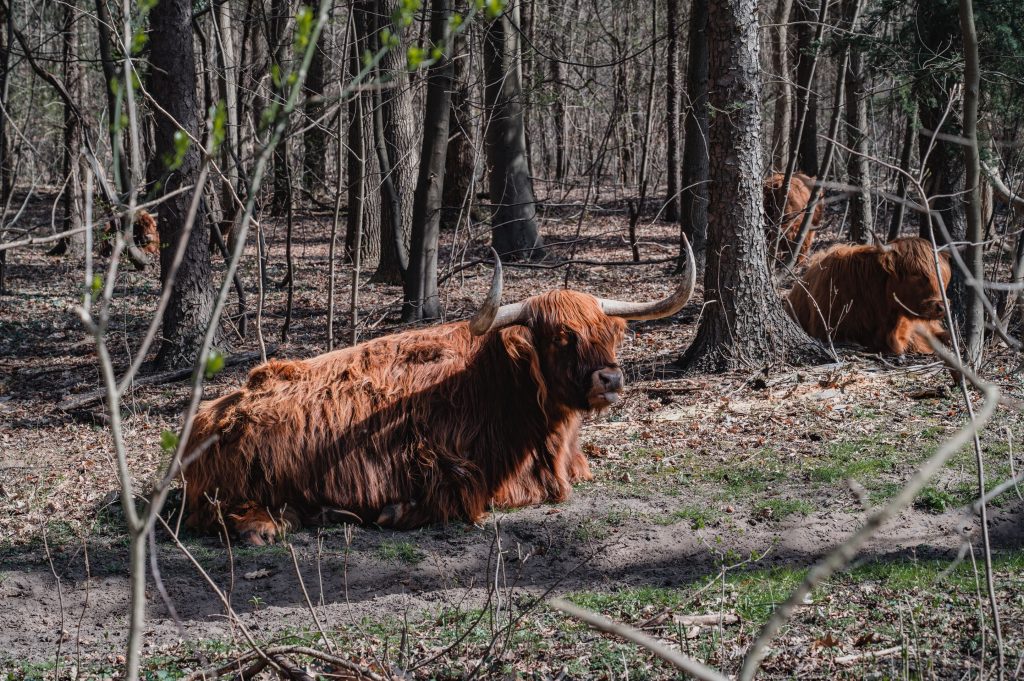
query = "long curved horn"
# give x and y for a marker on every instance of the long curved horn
(491, 314)
(659, 308)
(484, 317)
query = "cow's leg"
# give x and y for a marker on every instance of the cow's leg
(254, 524)
(579, 467)
(900, 338)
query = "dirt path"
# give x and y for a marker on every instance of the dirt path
(418, 573)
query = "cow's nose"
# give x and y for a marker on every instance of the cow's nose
(611, 379)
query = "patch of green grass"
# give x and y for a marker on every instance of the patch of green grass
(400, 551)
(744, 481)
(861, 460)
(599, 528)
(777, 509)
(698, 517)
(935, 500)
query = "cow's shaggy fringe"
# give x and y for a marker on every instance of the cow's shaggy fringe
(877, 296)
(422, 426)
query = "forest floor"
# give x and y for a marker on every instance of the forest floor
(713, 494)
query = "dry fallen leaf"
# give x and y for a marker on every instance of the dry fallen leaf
(258, 574)
(827, 642)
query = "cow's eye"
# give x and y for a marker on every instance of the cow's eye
(566, 338)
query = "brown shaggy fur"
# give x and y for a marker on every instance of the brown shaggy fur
(786, 213)
(879, 299)
(418, 427)
(144, 232)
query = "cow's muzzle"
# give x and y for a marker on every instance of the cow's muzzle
(605, 386)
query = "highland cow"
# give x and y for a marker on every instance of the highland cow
(144, 233)
(879, 296)
(424, 426)
(786, 213)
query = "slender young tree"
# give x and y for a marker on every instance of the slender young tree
(421, 301)
(314, 140)
(672, 212)
(781, 121)
(858, 167)
(460, 160)
(807, 92)
(974, 312)
(172, 84)
(73, 74)
(743, 324)
(694, 198)
(514, 230)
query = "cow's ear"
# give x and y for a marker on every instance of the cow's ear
(887, 258)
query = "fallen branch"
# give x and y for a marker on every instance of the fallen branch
(85, 399)
(869, 655)
(678, 660)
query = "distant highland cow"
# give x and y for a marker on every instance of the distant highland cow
(428, 425)
(878, 296)
(786, 213)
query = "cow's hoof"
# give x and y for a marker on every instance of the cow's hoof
(259, 537)
(392, 514)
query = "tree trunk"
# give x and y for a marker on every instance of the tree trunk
(460, 165)
(858, 167)
(363, 171)
(694, 197)
(974, 313)
(421, 300)
(72, 161)
(672, 213)
(514, 231)
(744, 325)
(806, 97)
(6, 171)
(280, 17)
(398, 126)
(781, 122)
(899, 209)
(314, 141)
(172, 84)
(231, 150)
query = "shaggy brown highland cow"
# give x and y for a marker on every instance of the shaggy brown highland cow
(423, 426)
(877, 296)
(144, 233)
(785, 213)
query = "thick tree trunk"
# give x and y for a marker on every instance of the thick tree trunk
(514, 230)
(858, 167)
(806, 97)
(744, 324)
(781, 121)
(172, 84)
(672, 212)
(400, 141)
(694, 197)
(421, 300)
